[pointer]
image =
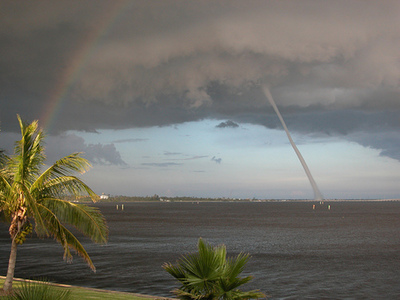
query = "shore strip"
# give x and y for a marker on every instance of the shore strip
(100, 291)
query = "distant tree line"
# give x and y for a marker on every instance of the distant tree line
(156, 198)
(121, 198)
(166, 199)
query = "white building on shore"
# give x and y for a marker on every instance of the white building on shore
(104, 196)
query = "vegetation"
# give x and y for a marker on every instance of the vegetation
(131, 199)
(3, 158)
(31, 199)
(78, 293)
(156, 198)
(210, 275)
(35, 290)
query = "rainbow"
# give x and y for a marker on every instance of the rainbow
(58, 95)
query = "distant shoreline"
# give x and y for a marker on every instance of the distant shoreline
(126, 199)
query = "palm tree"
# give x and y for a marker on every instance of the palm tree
(31, 197)
(3, 158)
(210, 275)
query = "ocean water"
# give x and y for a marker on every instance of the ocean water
(351, 251)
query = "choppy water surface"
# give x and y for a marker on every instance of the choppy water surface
(351, 251)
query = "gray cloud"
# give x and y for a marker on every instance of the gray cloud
(388, 143)
(172, 153)
(196, 157)
(104, 154)
(183, 156)
(332, 66)
(66, 144)
(130, 140)
(217, 160)
(57, 147)
(228, 123)
(163, 164)
(191, 157)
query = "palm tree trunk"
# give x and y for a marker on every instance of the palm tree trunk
(11, 267)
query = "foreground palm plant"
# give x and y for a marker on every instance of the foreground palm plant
(210, 275)
(31, 199)
(39, 290)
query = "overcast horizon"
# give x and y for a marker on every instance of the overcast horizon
(167, 97)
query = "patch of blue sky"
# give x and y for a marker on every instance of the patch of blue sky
(199, 159)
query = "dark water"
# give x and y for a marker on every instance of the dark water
(349, 252)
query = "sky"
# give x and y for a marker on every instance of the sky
(168, 97)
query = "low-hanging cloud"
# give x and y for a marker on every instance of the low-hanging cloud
(331, 44)
(176, 62)
(57, 147)
(387, 143)
(104, 154)
(101, 154)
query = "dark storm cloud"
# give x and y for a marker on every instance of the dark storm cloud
(328, 63)
(388, 142)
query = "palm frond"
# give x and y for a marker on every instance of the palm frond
(61, 186)
(65, 166)
(64, 237)
(237, 264)
(240, 295)
(5, 187)
(29, 152)
(33, 211)
(3, 158)
(39, 290)
(193, 295)
(86, 219)
(175, 271)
